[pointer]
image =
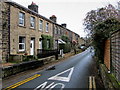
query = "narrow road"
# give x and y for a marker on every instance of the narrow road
(72, 73)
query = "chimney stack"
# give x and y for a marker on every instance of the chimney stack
(64, 25)
(53, 18)
(33, 7)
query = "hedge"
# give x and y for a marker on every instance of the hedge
(65, 38)
(44, 42)
(66, 47)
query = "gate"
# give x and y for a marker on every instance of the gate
(115, 54)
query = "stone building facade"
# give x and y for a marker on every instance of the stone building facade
(29, 33)
(81, 41)
(4, 32)
(24, 29)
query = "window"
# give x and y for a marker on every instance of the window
(47, 27)
(62, 31)
(55, 30)
(32, 22)
(21, 19)
(58, 30)
(56, 44)
(21, 43)
(40, 24)
(48, 44)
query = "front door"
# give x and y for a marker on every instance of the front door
(32, 47)
(40, 44)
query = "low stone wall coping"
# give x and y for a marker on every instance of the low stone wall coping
(16, 68)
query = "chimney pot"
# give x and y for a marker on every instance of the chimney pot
(33, 7)
(53, 18)
(64, 25)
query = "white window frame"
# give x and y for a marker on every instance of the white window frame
(40, 25)
(22, 43)
(21, 19)
(32, 22)
(47, 27)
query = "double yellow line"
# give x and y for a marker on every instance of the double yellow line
(21, 82)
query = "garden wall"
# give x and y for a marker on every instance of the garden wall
(17, 68)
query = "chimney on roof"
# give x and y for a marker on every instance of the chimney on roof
(53, 18)
(64, 25)
(33, 7)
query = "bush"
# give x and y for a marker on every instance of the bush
(66, 47)
(29, 58)
(44, 42)
(101, 33)
(65, 38)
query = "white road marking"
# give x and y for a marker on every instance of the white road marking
(61, 84)
(65, 79)
(56, 77)
(44, 85)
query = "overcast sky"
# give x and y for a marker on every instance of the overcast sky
(71, 12)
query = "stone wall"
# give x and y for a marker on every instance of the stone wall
(1, 32)
(108, 79)
(17, 68)
(4, 32)
(0, 44)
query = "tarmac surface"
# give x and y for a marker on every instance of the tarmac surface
(71, 73)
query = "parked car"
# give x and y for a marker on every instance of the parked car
(82, 47)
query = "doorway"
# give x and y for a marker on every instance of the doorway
(32, 46)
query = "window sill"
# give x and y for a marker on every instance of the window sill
(47, 32)
(32, 28)
(22, 26)
(40, 31)
(21, 51)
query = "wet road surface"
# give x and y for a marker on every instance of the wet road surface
(72, 73)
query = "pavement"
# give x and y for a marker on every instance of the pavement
(6, 64)
(10, 64)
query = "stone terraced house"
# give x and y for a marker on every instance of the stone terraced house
(23, 30)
